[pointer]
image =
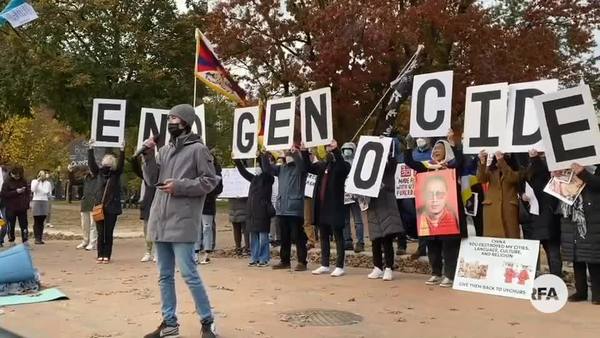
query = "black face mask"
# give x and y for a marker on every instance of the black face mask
(174, 129)
(105, 170)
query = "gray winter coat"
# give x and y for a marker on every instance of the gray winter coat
(292, 181)
(174, 218)
(383, 215)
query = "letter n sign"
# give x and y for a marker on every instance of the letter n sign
(245, 133)
(569, 127)
(368, 166)
(316, 120)
(108, 122)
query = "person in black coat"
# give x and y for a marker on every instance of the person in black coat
(260, 209)
(580, 234)
(108, 194)
(442, 248)
(16, 194)
(545, 226)
(328, 208)
(148, 192)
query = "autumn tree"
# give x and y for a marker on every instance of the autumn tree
(357, 47)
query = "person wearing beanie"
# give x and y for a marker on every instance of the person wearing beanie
(184, 174)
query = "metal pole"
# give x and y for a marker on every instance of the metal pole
(195, 68)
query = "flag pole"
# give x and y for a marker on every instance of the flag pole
(195, 69)
(404, 70)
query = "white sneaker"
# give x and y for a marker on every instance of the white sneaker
(446, 282)
(388, 274)
(147, 258)
(376, 273)
(434, 280)
(205, 260)
(154, 259)
(81, 245)
(90, 247)
(321, 270)
(49, 225)
(338, 272)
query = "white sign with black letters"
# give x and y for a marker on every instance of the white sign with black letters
(108, 122)
(569, 127)
(431, 104)
(152, 122)
(368, 166)
(245, 133)
(202, 120)
(485, 118)
(309, 188)
(279, 123)
(316, 117)
(523, 127)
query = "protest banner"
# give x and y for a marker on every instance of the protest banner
(245, 133)
(436, 203)
(523, 127)
(485, 118)
(497, 266)
(566, 186)
(569, 127)
(316, 117)
(309, 188)
(431, 104)
(368, 166)
(108, 122)
(234, 185)
(405, 182)
(279, 123)
(153, 122)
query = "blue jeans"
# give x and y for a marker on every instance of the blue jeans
(206, 234)
(259, 247)
(167, 253)
(354, 209)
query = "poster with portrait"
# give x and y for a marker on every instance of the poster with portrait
(437, 207)
(497, 266)
(565, 186)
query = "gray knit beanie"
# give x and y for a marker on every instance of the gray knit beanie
(185, 112)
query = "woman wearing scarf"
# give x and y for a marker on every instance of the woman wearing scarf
(500, 204)
(580, 234)
(442, 250)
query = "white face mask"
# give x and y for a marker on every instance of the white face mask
(289, 159)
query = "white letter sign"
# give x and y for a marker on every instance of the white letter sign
(523, 128)
(108, 122)
(316, 117)
(152, 122)
(279, 123)
(431, 104)
(368, 166)
(202, 120)
(245, 133)
(569, 127)
(485, 118)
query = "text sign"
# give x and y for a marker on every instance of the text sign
(245, 133)
(316, 117)
(279, 123)
(431, 104)
(485, 118)
(368, 166)
(108, 122)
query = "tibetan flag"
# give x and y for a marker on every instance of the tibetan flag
(210, 70)
(17, 13)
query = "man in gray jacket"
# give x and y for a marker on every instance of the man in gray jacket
(184, 174)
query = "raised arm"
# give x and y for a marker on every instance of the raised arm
(301, 166)
(136, 167)
(92, 162)
(243, 171)
(121, 164)
(410, 161)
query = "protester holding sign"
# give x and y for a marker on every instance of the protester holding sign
(260, 210)
(290, 208)
(580, 234)
(328, 205)
(107, 195)
(384, 220)
(500, 205)
(442, 250)
(544, 222)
